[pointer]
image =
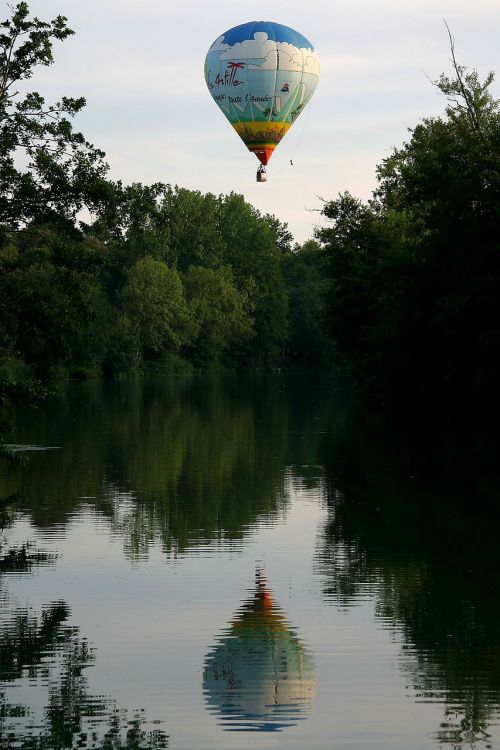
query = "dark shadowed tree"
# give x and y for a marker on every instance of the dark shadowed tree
(414, 273)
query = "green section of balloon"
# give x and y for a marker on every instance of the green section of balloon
(261, 75)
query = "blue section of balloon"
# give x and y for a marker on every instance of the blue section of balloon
(275, 31)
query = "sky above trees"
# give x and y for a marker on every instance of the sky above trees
(140, 67)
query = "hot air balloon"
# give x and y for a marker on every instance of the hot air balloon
(261, 75)
(259, 676)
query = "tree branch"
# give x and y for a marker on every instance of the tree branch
(470, 106)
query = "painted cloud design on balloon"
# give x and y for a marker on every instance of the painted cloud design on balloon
(218, 45)
(311, 63)
(291, 58)
(259, 46)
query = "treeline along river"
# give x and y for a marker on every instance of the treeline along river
(241, 561)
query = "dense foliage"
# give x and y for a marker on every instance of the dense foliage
(413, 302)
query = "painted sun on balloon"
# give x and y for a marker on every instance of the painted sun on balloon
(261, 75)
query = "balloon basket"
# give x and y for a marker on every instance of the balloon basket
(261, 174)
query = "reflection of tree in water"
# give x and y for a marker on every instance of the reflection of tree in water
(45, 651)
(20, 558)
(412, 525)
(185, 461)
(205, 472)
(259, 676)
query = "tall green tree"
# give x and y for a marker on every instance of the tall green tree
(414, 273)
(52, 302)
(220, 313)
(62, 171)
(255, 249)
(305, 272)
(153, 299)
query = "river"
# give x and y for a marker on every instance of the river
(245, 562)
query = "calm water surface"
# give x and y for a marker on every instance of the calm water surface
(222, 562)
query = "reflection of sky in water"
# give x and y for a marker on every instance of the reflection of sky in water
(259, 676)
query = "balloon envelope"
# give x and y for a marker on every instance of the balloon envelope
(261, 75)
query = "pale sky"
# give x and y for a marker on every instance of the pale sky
(139, 64)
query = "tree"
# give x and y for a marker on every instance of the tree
(220, 312)
(52, 302)
(306, 278)
(63, 171)
(193, 219)
(413, 273)
(255, 248)
(153, 299)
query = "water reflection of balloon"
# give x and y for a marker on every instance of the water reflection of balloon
(259, 676)
(261, 75)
